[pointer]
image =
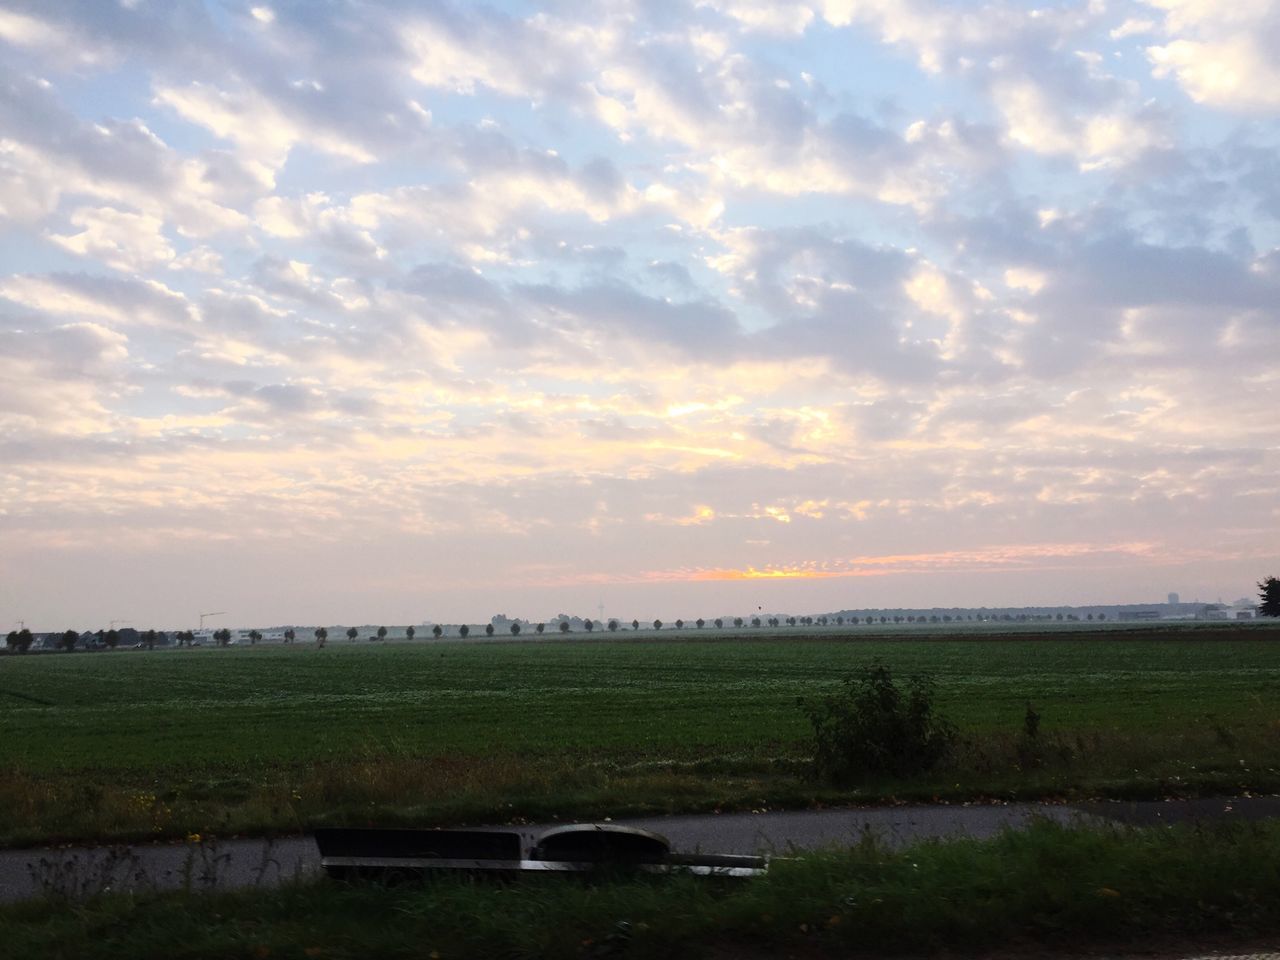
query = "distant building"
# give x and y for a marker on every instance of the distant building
(1174, 598)
(1139, 615)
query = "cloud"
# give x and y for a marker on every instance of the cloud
(123, 302)
(57, 377)
(125, 241)
(258, 125)
(816, 297)
(1221, 54)
(47, 154)
(1044, 554)
(1053, 94)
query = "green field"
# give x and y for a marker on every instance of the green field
(271, 736)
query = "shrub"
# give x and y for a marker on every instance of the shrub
(876, 726)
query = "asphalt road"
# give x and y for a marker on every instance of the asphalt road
(230, 864)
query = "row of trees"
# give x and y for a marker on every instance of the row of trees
(20, 640)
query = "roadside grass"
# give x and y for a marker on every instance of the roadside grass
(1043, 889)
(424, 791)
(134, 745)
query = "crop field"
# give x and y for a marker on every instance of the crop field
(274, 714)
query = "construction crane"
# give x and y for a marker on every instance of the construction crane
(219, 613)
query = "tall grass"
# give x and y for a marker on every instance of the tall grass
(399, 788)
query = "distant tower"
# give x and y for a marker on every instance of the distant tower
(1173, 598)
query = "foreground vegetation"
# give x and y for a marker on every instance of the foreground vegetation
(1044, 888)
(134, 744)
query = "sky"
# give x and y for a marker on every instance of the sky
(388, 311)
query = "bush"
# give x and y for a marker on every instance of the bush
(874, 726)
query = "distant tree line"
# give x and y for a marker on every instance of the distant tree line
(20, 641)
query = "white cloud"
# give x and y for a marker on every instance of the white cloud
(258, 125)
(200, 260)
(1132, 27)
(1222, 54)
(64, 43)
(766, 15)
(131, 242)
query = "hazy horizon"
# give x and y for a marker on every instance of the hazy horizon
(435, 311)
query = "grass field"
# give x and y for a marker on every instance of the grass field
(274, 737)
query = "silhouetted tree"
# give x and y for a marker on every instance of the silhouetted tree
(254, 636)
(410, 633)
(488, 629)
(464, 631)
(515, 629)
(322, 634)
(540, 627)
(657, 624)
(290, 635)
(755, 621)
(149, 638)
(588, 624)
(352, 633)
(699, 623)
(111, 638)
(613, 626)
(635, 624)
(679, 624)
(437, 631)
(69, 640)
(1269, 595)
(564, 626)
(737, 621)
(382, 633)
(719, 623)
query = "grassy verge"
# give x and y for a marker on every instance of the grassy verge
(1043, 889)
(399, 789)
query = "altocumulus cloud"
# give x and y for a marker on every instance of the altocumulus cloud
(407, 310)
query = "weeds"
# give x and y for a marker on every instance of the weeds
(1030, 747)
(1045, 888)
(88, 874)
(874, 726)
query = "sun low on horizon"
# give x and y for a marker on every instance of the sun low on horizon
(382, 311)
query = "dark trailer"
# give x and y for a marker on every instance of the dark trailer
(580, 848)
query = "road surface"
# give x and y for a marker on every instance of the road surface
(79, 872)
